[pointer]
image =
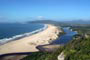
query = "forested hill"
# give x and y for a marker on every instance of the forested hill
(79, 47)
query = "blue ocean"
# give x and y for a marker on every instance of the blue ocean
(12, 31)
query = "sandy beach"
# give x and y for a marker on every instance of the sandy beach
(29, 43)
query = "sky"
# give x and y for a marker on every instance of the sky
(24, 10)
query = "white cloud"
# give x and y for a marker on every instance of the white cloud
(40, 17)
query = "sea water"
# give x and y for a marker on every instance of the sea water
(14, 31)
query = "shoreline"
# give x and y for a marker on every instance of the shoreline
(29, 44)
(20, 36)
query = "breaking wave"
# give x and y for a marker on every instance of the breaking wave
(16, 37)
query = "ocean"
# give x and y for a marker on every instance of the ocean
(13, 31)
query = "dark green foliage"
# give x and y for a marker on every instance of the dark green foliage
(44, 55)
(79, 49)
(37, 56)
(82, 29)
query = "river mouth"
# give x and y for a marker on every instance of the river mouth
(67, 37)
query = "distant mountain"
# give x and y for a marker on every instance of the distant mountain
(48, 22)
(63, 23)
(43, 21)
(78, 22)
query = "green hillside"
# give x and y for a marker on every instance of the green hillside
(79, 49)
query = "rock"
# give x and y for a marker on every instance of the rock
(61, 56)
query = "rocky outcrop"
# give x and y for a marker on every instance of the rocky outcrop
(61, 56)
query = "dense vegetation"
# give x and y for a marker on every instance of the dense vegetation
(44, 55)
(82, 30)
(77, 49)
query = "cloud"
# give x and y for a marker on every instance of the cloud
(40, 17)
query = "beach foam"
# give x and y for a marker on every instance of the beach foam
(16, 37)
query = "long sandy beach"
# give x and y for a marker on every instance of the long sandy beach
(29, 43)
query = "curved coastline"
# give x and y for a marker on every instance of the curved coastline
(29, 43)
(16, 37)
